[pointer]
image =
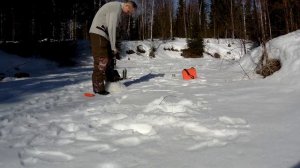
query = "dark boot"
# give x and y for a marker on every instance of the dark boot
(102, 92)
(98, 82)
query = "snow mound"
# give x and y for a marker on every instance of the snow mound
(159, 45)
(115, 87)
(232, 49)
(286, 48)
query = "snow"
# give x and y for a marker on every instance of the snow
(286, 49)
(229, 49)
(154, 118)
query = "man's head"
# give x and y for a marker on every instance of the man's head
(129, 7)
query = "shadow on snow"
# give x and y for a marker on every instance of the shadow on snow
(16, 90)
(143, 79)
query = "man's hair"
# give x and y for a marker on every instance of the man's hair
(134, 5)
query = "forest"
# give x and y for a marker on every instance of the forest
(35, 21)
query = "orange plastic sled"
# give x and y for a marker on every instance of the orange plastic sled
(87, 94)
(188, 74)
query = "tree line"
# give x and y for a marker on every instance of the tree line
(257, 20)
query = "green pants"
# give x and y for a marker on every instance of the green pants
(102, 55)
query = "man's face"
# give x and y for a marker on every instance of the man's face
(128, 9)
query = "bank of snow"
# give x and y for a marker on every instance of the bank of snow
(286, 49)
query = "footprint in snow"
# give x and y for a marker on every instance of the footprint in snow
(100, 148)
(232, 121)
(83, 136)
(209, 143)
(31, 156)
(128, 142)
(144, 129)
(169, 104)
(108, 165)
(229, 130)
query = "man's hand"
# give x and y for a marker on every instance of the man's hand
(115, 51)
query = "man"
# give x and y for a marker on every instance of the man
(103, 39)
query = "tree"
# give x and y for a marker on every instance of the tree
(232, 18)
(202, 17)
(181, 28)
(170, 5)
(220, 17)
(163, 20)
(152, 20)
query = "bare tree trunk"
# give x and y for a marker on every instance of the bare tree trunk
(200, 14)
(146, 23)
(143, 21)
(152, 19)
(53, 20)
(184, 19)
(244, 22)
(74, 23)
(286, 17)
(264, 57)
(269, 20)
(288, 14)
(188, 21)
(13, 30)
(1, 28)
(292, 20)
(171, 18)
(74, 28)
(214, 26)
(263, 34)
(32, 26)
(87, 30)
(232, 19)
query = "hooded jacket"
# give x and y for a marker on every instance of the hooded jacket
(106, 21)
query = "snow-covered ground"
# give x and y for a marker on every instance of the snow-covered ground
(155, 119)
(11, 64)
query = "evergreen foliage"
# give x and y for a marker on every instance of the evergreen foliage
(195, 48)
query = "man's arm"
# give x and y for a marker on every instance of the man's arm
(112, 20)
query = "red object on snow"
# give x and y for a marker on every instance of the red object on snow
(188, 74)
(87, 94)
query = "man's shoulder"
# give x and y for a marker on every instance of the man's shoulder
(111, 7)
(113, 3)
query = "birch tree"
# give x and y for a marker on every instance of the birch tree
(232, 18)
(152, 20)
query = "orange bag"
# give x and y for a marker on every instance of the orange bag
(188, 74)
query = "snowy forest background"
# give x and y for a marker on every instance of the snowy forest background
(35, 23)
(229, 116)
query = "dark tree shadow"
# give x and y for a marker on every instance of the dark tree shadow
(143, 79)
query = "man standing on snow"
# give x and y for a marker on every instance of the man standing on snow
(103, 39)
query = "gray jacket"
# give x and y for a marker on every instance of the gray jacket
(106, 21)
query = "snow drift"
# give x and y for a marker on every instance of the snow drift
(286, 49)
